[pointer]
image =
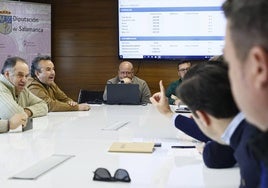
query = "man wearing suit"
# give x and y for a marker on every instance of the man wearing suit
(246, 50)
(206, 91)
(215, 155)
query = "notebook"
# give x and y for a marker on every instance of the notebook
(123, 94)
(132, 147)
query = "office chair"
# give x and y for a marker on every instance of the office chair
(91, 97)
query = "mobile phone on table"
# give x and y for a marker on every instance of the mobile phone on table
(29, 125)
(183, 109)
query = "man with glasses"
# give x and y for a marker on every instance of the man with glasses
(15, 98)
(183, 67)
(42, 85)
(126, 76)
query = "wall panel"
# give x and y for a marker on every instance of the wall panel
(84, 47)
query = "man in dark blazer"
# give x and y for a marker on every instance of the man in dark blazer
(246, 50)
(206, 91)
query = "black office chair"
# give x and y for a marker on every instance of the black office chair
(90, 97)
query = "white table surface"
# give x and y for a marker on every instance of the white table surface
(81, 134)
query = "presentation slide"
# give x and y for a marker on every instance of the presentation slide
(170, 29)
(25, 30)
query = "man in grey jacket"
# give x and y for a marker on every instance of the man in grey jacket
(126, 76)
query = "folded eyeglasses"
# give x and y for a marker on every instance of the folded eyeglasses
(102, 174)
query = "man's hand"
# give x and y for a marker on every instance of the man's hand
(177, 101)
(28, 112)
(200, 147)
(174, 97)
(127, 80)
(160, 101)
(72, 103)
(83, 107)
(17, 120)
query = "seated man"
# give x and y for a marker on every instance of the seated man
(126, 76)
(206, 91)
(15, 121)
(14, 96)
(183, 67)
(42, 85)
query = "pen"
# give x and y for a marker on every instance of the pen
(183, 147)
(122, 125)
(157, 145)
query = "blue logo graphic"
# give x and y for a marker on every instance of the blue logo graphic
(5, 22)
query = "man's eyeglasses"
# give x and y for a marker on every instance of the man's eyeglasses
(102, 174)
(184, 70)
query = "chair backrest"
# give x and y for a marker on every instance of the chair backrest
(91, 97)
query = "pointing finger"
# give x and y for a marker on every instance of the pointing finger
(162, 89)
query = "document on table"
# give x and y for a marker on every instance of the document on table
(41, 167)
(132, 147)
(17, 130)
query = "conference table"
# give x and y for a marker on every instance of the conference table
(86, 137)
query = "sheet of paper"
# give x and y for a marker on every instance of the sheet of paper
(17, 130)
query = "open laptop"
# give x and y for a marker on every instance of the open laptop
(123, 94)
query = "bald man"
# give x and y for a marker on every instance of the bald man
(126, 76)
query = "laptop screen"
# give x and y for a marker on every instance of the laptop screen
(123, 94)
